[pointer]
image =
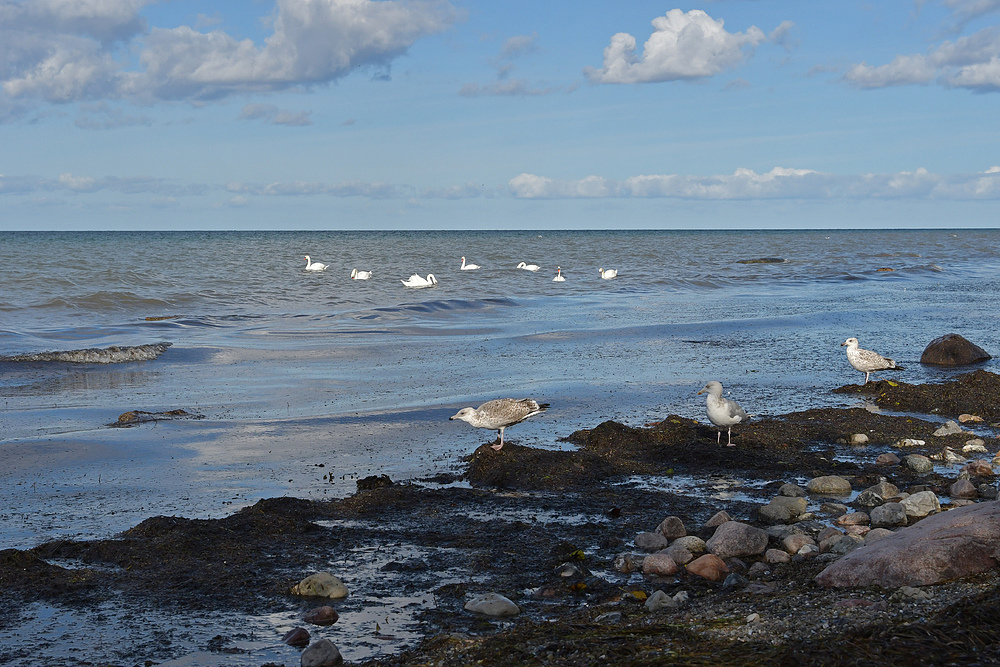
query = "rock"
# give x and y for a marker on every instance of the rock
(782, 509)
(828, 532)
(830, 485)
(833, 509)
(920, 504)
(889, 515)
(671, 528)
(717, 519)
(777, 556)
(792, 490)
(609, 618)
(374, 482)
(949, 428)
(859, 439)
(679, 553)
(948, 455)
(493, 605)
(887, 459)
(987, 491)
(853, 519)
(758, 570)
(913, 593)
(975, 445)
(942, 547)
(734, 581)
(966, 418)
(761, 260)
(321, 616)
(709, 567)
(321, 585)
(846, 544)
(910, 442)
(963, 488)
(877, 534)
(918, 463)
(979, 468)
(857, 530)
(297, 637)
(877, 494)
(651, 541)
(660, 565)
(627, 563)
(737, 539)
(323, 653)
(808, 551)
(659, 601)
(695, 545)
(793, 543)
(952, 350)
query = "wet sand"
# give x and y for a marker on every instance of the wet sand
(183, 590)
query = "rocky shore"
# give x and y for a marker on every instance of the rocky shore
(825, 537)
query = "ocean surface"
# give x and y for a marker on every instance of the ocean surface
(299, 383)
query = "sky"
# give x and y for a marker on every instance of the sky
(475, 114)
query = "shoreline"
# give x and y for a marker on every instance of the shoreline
(414, 553)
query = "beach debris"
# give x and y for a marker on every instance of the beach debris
(323, 653)
(493, 605)
(374, 482)
(321, 585)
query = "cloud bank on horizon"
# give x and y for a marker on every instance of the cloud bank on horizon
(505, 106)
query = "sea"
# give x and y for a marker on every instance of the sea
(300, 383)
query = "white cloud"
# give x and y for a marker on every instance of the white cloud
(503, 86)
(683, 45)
(275, 116)
(971, 62)
(87, 50)
(779, 183)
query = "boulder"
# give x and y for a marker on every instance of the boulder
(793, 543)
(323, 653)
(782, 509)
(918, 463)
(671, 528)
(694, 544)
(877, 494)
(963, 488)
(776, 556)
(659, 601)
(718, 519)
(680, 553)
(737, 539)
(952, 350)
(660, 565)
(321, 585)
(942, 547)
(889, 515)
(792, 490)
(921, 504)
(829, 485)
(324, 615)
(887, 459)
(492, 604)
(979, 468)
(651, 541)
(709, 567)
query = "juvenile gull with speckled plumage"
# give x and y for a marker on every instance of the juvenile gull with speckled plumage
(866, 361)
(500, 413)
(722, 411)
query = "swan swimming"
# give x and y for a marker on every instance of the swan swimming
(528, 267)
(559, 276)
(609, 273)
(722, 411)
(500, 413)
(417, 281)
(360, 275)
(315, 266)
(469, 267)
(866, 361)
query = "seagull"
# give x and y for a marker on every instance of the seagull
(360, 275)
(315, 266)
(469, 267)
(866, 361)
(559, 276)
(608, 274)
(722, 411)
(498, 414)
(528, 267)
(417, 281)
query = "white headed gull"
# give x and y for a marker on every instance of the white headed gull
(722, 411)
(866, 361)
(500, 413)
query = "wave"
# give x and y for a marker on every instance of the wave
(107, 355)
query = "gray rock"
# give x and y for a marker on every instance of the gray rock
(792, 490)
(910, 442)
(651, 541)
(758, 570)
(776, 556)
(694, 544)
(942, 547)
(888, 515)
(323, 653)
(859, 439)
(493, 605)
(949, 428)
(877, 494)
(718, 519)
(877, 534)
(737, 539)
(918, 463)
(627, 563)
(833, 509)
(846, 544)
(952, 350)
(887, 459)
(671, 528)
(829, 485)
(659, 601)
(987, 491)
(321, 585)
(679, 553)
(793, 543)
(963, 488)
(920, 504)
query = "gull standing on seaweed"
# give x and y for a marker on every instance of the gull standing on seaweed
(866, 361)
(469, 267)
(722, 411)
(315, 266)
(500, 413)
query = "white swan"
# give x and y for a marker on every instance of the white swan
(360, 275)
(417, 281)
(314, 266)
(469, 267)
(559, 276)
(609, 273)
(528, 267)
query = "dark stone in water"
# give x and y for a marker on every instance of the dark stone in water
(762, 260)
(953, 350)
(298, 637)
(374, 482)
(324, 615)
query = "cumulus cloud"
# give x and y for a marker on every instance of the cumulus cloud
(971, 62)
(779, 183)
(88, 50)
(689, 45)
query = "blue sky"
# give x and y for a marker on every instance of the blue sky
(466, 114)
